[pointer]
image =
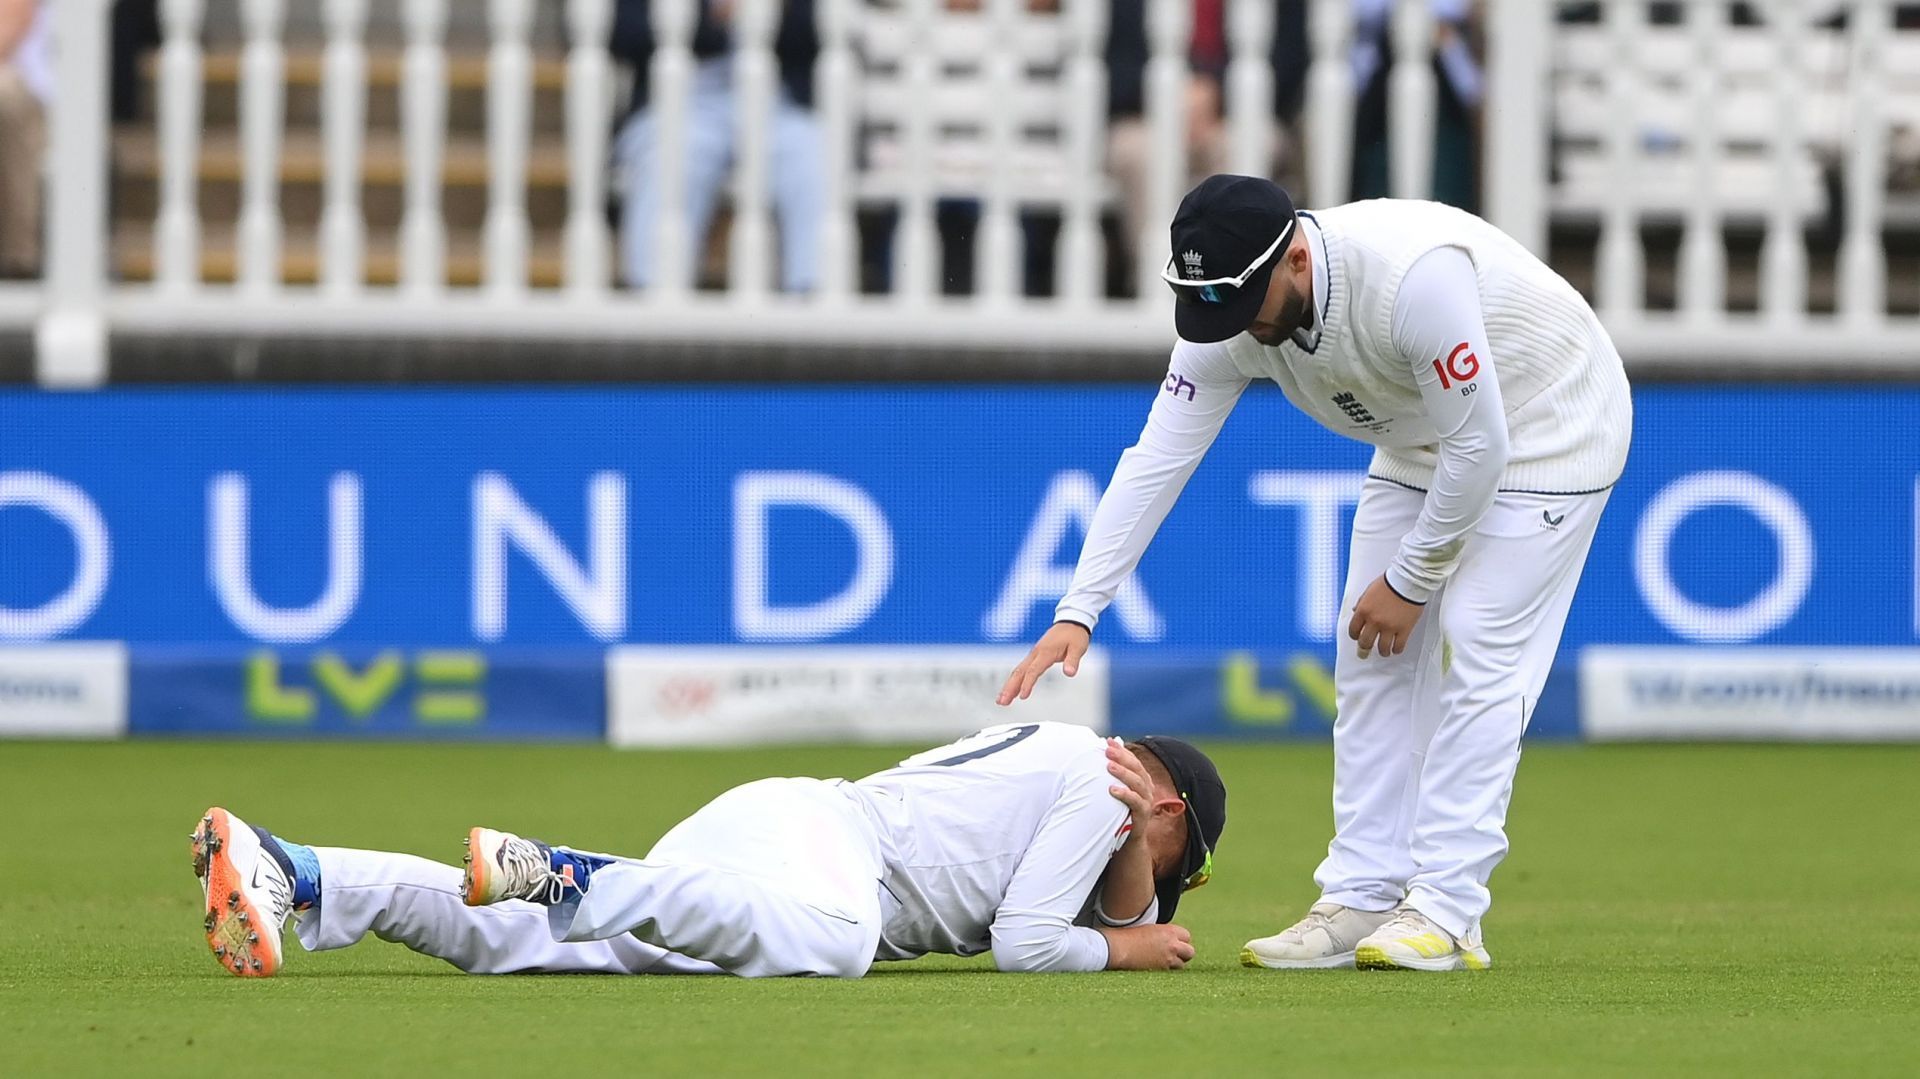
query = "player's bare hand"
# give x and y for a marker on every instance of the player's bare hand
(1383, 620)
(1176, 946)
(1148, 947)
(1063, 643)
(1135, 789)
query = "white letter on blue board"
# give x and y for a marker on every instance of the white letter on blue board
(1770, 608)
(1320, 496)
(754, 618)
(1035, 578)
(229, 564)
(596, 594)
(93, 551)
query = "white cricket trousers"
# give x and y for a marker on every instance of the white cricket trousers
(1425, 743)
(776, 877)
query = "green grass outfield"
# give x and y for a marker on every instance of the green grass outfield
(1672, 910)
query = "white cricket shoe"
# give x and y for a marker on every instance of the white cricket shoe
(501, 866)
(248, 895)
(1411, 941)
(1324, 939)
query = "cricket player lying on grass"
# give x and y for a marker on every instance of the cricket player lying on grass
(1054, 847)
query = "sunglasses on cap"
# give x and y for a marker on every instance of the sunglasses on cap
(1219, 289)
(1205, 872)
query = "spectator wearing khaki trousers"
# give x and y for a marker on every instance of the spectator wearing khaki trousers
(25, 85)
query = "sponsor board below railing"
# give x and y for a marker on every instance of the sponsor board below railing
(668, 696)
(1759, 694)
(659, 696)
(1244, 694)
(412, 694)
(76, 690)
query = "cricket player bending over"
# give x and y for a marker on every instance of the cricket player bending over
(1057, 849)
(1500, 416)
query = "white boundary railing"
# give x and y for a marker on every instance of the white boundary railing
(423, 123)
(76, 305)
(343, 230)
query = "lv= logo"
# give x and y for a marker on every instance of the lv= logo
(442, 687)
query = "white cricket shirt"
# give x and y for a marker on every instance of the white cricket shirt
(998, 841)
(1466, 362)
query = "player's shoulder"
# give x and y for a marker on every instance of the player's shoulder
(1397, 232)
(1204, 360)
(1386, 212)
(1068, 739)
(1065, 749)
(1015, 748)
(1079, 755)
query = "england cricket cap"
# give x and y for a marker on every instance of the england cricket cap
(1198, 782)
(1228, 236)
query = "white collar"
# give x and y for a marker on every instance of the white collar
(1308, 337)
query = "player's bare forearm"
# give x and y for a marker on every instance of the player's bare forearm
(1148, 947)
(1127, 887)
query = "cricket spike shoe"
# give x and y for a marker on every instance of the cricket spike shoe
(502, 866)
(248, 893)
(1323, 940)
(1411, 941)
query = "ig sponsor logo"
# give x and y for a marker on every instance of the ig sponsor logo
(1461, 366)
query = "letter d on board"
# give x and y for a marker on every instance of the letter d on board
(755, 618)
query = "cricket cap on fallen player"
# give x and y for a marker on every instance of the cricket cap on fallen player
(1198, 782)
(1228, 236)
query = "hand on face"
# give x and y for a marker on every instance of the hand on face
(1135, 789)
(1382, 619)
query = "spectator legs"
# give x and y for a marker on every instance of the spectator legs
(1129, 150)
(709, 151)
(799, 193)
(798, 184)
(22, 141)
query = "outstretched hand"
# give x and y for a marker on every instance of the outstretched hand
(1063, 643)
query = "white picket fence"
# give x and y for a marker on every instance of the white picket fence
(1750, 110)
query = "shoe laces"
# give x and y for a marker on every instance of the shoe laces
(279, 890)
(528, 869)
(1408, 922)
(1317, 918)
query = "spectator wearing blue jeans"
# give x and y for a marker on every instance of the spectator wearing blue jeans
(797, 155)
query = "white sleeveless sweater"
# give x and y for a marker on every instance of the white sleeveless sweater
(1569, 411)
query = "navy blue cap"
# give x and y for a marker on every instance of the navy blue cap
(1228, 236)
